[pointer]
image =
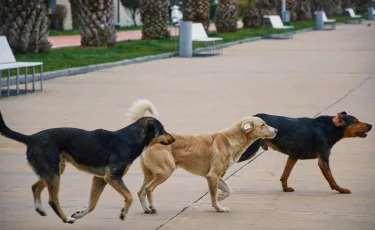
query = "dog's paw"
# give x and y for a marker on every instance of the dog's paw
(344, 190)
(78, 215)
(148, 211)
(69, 220)
(288, 189)
(122, 215)
(41, 212)
(153, 209)
(221, 209)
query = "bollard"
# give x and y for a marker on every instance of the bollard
(319, 23)
(370, 13)
(285, 17)
(186, 43)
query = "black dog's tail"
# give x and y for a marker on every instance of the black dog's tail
(250, 151)
(7, 132)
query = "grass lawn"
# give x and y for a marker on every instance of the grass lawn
(68, 57)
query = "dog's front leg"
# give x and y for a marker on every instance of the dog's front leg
(227, 190)
(323, 163)
(53, 186)
(121, 188)
(287, 170)
(97, 187)
(213, 182)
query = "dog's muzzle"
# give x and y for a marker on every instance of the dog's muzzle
(273, 131)
(167, 139)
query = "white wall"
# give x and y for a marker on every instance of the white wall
(125, 16)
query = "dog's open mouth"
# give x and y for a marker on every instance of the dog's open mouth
(360, 134)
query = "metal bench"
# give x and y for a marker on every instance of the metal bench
(331, 22)
(8, 62)
(199, 34)
(351, 16)
(275, 22)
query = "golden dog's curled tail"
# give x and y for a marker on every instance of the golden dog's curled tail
(139, 108)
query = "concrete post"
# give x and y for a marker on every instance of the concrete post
(319, 24)
(186, 43)
(370, 13)
(286, 17)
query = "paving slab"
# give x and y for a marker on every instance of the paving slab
(316, 72)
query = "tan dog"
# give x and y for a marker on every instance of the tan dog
(207, 155)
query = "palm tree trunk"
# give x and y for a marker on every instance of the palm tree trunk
(197, 11)
(25, 24)
(154, 16)
(97, 24)
(226, 16)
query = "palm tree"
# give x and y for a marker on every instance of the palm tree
(97, 24)
(255, 11)
(25, 24)
(197, 11)
(252, 17)
(154, 16)
(226, 16)
(303, 10)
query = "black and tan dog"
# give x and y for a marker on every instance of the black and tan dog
(105, 154)
(307, 138)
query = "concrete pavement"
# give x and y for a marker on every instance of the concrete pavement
(316, 72)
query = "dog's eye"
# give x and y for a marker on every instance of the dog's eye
(263, 125)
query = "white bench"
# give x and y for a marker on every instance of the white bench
(198, 34)
(276, 23)
(331, 22)
(351, 15)
(8, 62)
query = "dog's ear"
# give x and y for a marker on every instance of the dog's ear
(150, 126)
(338, 120)
(343, 113)
(247, 126)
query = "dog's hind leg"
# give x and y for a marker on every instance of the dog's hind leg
(158, 179)
(227, 190)
(37, 189)
(287, 170)
(324, 167)
(97, 187)
(142, 191)
(213, 182)
(53, 185)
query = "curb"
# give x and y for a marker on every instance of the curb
(85, 69)
(228, 44)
